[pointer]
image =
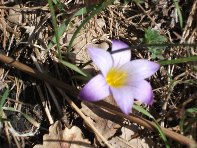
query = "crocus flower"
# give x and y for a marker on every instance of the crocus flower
(119, 77)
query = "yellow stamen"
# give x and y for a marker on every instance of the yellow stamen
(116, 78)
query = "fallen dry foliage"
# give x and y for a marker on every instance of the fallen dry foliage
(106, 127)
(116, 130)
(68, 138)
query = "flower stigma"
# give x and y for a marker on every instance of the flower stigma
(116, 78)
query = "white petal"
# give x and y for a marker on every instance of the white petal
(142, 91)
(96, 89)
(124, 98)
(120, 57)
(101, 58)
(140, 69)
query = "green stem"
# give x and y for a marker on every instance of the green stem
(94, 12)
(177, 61)
(54, 22)
(179, 12)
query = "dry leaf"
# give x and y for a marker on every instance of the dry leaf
(67, 138)
(102, 120)
(91, 31)
(15, 15)
(125, 140)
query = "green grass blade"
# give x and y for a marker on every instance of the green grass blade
(63, 27)
(138, 1)
(54, 22)
(29, 118)
(81, 11)
(61, 30)
(2, 101)
(142, 110)
(179, 12)
(162, 135)
(188, 113)
(192, 110)
(75, 68)
(96, 10)
(177, 61)
(55, 1)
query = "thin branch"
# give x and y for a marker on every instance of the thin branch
(147, 124)
(74, 106)
(35, 73)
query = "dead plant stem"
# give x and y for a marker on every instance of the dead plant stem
(74, 106)
(148, 124)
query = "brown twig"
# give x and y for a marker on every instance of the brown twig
(148, 124)
(74, 92)
(35, 73)
(96, 131)
(46, 8)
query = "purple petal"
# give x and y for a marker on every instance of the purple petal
(142, 91)
(96, 89)
(140, 69)
(101, 58)
(120, 57)
(124, 98)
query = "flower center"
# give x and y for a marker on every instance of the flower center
(116, 78)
